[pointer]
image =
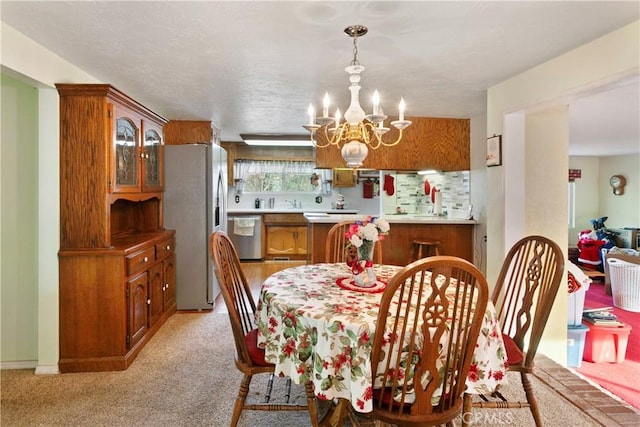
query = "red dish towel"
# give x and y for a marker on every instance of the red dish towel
(367, 189)
(388, 185)
(427, 187)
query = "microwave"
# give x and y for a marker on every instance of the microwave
(627, 237)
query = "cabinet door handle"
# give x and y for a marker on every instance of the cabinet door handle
(163, 288)
(168, 247)
(145, 259)
(149, 301)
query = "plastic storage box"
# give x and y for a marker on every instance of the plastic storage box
(606, 343)
(575, 305)
(575, 344)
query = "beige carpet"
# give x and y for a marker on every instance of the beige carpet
(186, 377)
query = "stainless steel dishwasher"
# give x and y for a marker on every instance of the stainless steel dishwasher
(245, 231)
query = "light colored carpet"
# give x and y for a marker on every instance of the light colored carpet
(185, 376)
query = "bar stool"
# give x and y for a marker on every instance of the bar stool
(424, 248)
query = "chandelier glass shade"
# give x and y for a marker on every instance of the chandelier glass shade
(359, 131)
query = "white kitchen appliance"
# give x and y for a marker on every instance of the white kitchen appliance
(195, 199)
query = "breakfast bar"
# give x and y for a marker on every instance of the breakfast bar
(455, 235)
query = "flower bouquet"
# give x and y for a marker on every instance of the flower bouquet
(362, 235)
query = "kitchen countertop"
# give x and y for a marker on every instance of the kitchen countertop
(285, 210)
(391, 219)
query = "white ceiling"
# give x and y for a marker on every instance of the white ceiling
(253, 67)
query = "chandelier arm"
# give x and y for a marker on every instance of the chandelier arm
(389, 144)
(314, 141)
(335, 138)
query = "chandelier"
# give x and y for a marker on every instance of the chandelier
(360, 131)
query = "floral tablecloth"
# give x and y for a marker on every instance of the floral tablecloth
(311, 328)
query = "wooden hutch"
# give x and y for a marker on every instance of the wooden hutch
(117, 272)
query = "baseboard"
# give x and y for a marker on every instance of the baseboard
(20, 364)
(47, 370)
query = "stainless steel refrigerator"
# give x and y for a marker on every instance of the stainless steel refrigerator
(195, 199)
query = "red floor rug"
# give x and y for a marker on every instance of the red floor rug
(621, 379)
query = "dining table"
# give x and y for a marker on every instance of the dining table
(316, 325)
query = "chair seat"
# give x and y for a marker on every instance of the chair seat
(514, 355)
(256, 353)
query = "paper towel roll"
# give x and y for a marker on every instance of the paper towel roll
(437, 206)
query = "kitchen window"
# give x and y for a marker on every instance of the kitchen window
(275, 176)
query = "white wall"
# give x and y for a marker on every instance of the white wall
(587, 195)
(610, 58)
(595, 198)
(623, 210)
(26, 61)
(19, 223)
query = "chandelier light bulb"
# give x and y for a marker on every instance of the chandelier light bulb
(338, 116)
(325, 104)
(312, 114)
(376, 102)
(401, 109)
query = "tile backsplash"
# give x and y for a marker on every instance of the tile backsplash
(409, 193)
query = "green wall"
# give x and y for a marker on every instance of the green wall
(18, 221)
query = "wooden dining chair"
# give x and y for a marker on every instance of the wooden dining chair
(433, 310)
(523, 296)
(336, 244)
(241, 307)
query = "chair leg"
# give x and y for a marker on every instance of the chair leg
(312, 404)
(267, 396)
(242, 395)
(533, 403)
(467, 407)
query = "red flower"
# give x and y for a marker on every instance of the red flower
(360, 404)
(498, 375)
(473, 372)
(290, 347)
(368, 393)
(364, 337)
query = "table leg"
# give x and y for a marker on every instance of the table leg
(336, 415)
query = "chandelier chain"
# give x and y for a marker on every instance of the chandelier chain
(355, 51)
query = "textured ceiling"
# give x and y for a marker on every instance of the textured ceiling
(253, 67)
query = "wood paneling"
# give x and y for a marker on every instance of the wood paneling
(429, 143)
(177, 132)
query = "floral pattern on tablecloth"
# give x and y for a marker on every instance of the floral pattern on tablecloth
(311, 328)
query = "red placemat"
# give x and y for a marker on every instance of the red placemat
(349, 284)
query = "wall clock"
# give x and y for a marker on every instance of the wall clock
(617, 182)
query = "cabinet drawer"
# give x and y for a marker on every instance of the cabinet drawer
(140, 260)
(292, 218)
(164, 248)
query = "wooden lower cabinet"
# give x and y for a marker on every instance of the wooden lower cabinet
(113, 300)
(285, 236)
(455, 239)
(288, 241)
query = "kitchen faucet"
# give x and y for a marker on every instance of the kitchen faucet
(294, 204)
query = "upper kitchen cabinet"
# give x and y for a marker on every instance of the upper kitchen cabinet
(429, 143)
(178, 132)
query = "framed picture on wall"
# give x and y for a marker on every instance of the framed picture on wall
(494, 150)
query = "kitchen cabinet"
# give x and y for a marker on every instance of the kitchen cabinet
(285, 236)
(429, 143)
(177, 132)
(455, 239)
(116, 268)
(344, 177)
